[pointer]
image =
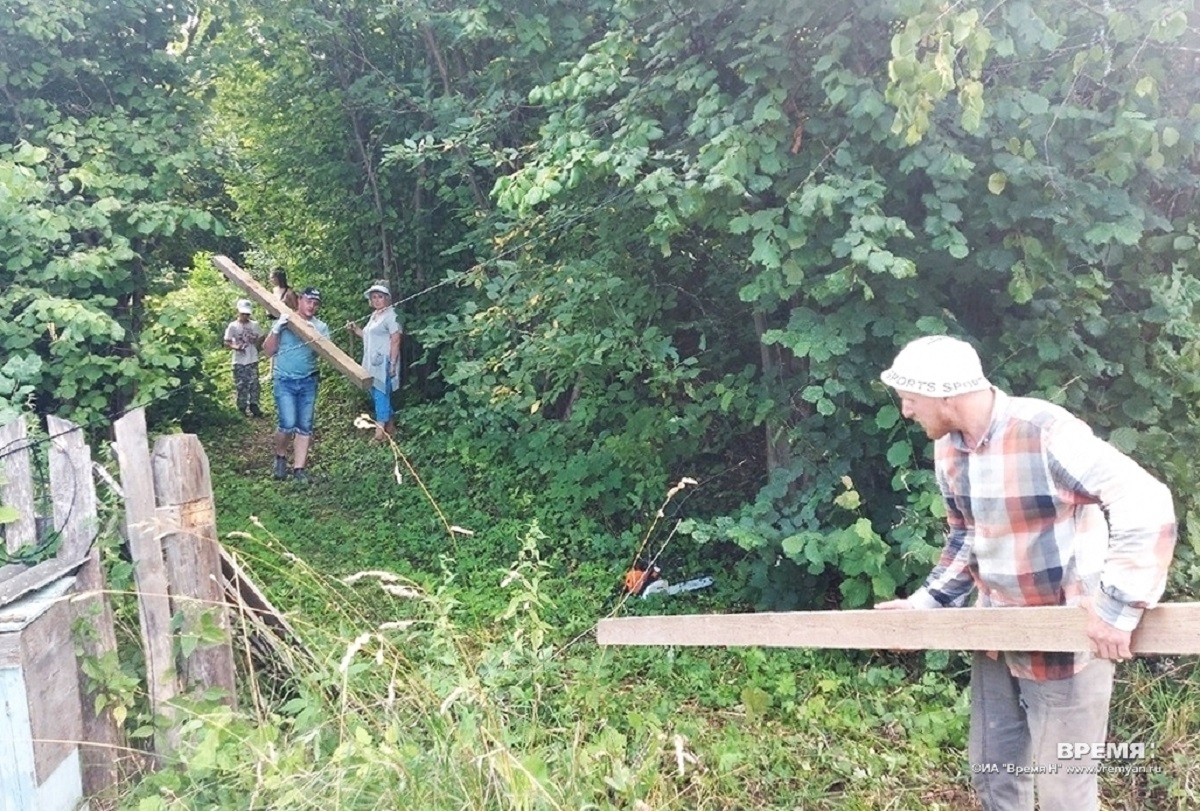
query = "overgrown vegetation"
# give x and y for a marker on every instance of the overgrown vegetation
(465, 675)
(633, 242)
(684, 241)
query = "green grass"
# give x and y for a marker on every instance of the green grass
(472, 681)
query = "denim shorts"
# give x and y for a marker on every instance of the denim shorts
(296, 400)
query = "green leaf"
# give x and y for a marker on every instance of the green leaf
(1035, 104)
(899, 453)
(793, 545)
(8, 514)
(812, 394)
(756, 701)
(848, 500)
(855, 593)
(887, 417)
(766, 251)
(1171, 27)
(1019, 286)
(997, 182)
(1124, 439)
(883, 585)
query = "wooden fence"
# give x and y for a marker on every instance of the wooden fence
(55, 749)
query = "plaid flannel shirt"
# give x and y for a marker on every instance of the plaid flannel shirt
(1043, 512)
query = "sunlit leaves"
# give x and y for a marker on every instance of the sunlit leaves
(924, 69)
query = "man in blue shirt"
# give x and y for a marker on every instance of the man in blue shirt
(295, 383)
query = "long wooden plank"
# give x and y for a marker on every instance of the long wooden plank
(1170, 628)
(322, 346)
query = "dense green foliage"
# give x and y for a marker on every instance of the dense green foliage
(853, 202)
(709, 229)
(105, 188)
(634, 242)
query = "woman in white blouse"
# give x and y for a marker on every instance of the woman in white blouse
(381, 335)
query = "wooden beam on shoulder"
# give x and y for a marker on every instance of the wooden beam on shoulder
(327, 349)
(1170, 628)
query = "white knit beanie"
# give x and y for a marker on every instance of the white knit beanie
(936, 366)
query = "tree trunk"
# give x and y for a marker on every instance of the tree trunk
(779, 452)
(435, 52)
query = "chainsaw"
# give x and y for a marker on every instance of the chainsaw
(647, 581)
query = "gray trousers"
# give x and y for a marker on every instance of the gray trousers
(1016, 727)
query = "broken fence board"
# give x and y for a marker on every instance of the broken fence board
(34, 577)
(324, 347)
(183, 486)
(149, 569)
(74, 493)
(16, 484)
(1170, 628)
(267, 630)
(71, 488)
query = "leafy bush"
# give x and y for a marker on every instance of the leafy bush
(100, 198)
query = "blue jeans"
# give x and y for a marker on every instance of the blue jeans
(296, 401)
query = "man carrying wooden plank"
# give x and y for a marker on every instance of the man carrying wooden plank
(1041, 512)
(294, 378)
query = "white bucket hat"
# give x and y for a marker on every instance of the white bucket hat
(936, 366)
(377, 288)
(244, 306)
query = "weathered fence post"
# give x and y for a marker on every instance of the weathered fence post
(187, 518)
(74, 496)
(141, 522)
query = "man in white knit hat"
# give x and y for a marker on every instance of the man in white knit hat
(1040, 512)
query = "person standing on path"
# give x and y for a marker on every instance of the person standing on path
(1040, 512)
(381, 336)
(243, 336)
(295, 382)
